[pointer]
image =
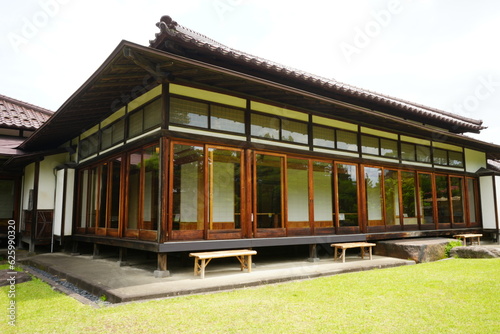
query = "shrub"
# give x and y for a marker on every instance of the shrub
(450, 245)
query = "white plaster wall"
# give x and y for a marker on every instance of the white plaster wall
(474, 160)
(28, 183)
(488, 201)
(47, 181)
(67, 210)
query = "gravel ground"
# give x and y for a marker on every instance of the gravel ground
(69, 286)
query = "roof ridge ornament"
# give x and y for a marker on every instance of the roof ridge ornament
(169, 22)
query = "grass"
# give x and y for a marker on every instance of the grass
(452, 296)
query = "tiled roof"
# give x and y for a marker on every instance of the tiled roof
(21, 115)
(171, 31)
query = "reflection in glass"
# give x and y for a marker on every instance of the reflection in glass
(323, 193)
(426, 199)
(188, 188)
(391, 194)
(347, 194)
(471, 194)
(443, 199)
(114, 207)
(224, 189)
(374, 199)
(457, 199)
(134, 175)
(269, 191)
(409, 198)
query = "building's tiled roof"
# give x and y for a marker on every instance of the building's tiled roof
(16, 114)
(172, 31)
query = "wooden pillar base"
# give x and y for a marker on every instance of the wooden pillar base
(162, 266)
(122, 257)
(313, 253)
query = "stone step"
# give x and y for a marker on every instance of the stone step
(419, 250)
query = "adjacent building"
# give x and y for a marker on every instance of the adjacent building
(190, 145)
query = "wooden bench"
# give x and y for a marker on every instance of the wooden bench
(347, 245)
(471, 236)
(201, 260)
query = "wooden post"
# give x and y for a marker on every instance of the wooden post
(96, 255)
(162, 266)
(74, 249)
(122, 257)
(313, 253)
(34, 209)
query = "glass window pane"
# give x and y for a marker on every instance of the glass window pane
(106, 138)
(443, 199)
(456, 159)
(224, 189)
(426, 199)
(135, 124)
(471, 194)
(323, 194)
(133, 191)
(391, 195)
(457, 199)
(408, 152)
(265, 127)
(347, 140)
(440, 157)
(324, 137)
(389, 148)
(374, 199)
(423, 154)
(269, 191)
(298, 193)
(118, 132)
(370, 145)
(409, 198)
(150, 201)
(152, 115)
(103, 188)
(227, 119)
(347, 188)
(84, 186)
(114, 205)
(295, 132)
(187, 112)
(188, 188)
(93, 198)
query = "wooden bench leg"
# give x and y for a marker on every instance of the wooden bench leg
(370, 249)
(343, 255)
(249, 263)
(203, 265)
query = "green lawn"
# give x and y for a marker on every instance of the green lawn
(454, 296)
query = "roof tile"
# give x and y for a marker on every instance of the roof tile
(19, 114)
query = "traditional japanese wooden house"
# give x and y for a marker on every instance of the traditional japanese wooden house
(18, 120)
(190, 145)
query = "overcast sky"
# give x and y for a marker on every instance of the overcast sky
(440, 53)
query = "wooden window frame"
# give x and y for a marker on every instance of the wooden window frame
(139, 232)
(209, 115)
(206, 233)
